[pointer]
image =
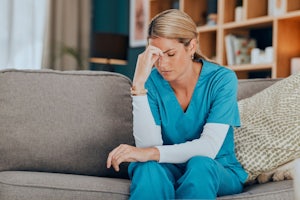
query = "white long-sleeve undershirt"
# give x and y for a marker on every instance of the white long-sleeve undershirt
(148, 134)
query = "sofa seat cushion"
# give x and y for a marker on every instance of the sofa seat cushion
(19, 185)
(35, 186)
(273, 190)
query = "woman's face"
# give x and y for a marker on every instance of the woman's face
(176, 59)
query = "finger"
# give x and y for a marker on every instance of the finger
(155, 59)
(111, 155)
(116, 166)
(156, 51)
(155, 48)
(123, 155)
(116, 161)
(108, 162)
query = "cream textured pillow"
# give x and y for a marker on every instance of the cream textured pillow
(270, 131)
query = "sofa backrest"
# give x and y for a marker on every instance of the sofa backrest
(249, 87)
(68, 122)
(64, 122)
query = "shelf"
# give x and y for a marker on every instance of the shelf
(251, 23)
(282, 32)
(251, 67)
(108, 61)
(206, 28)
(290, 15)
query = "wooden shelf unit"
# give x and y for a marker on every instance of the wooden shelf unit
(284, 29)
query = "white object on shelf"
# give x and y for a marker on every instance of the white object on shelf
(255, 56)
(259, 56)
(238, 14)
(269, 54)
(229, 49)
(295, 65)
(277, 7)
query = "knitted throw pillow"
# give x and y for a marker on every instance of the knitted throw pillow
(270, 131)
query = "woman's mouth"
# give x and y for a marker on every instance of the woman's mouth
(166, 71)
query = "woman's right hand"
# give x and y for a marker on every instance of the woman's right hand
(144, 65)
(128, 153)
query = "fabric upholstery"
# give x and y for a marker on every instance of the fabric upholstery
(272, 190)
(36, 186)
(57, 124)
(17, 185)
(269, 135)
(249, 87)
(64, 122)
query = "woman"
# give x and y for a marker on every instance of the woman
(184, 110)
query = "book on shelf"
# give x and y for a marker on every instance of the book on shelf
(238, 49)
(229, 49)
(242, 48)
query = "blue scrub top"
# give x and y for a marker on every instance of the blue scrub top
(214, 100)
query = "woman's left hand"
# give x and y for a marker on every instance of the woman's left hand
(127, 153)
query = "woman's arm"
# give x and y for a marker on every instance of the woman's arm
(146, 133)
(208, 144)
(127, 153)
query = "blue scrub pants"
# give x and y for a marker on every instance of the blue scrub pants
(199, 178)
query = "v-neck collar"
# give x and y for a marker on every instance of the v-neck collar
(172, 96)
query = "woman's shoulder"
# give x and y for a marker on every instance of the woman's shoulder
(215, 70)
(218, 75)
(215, 67)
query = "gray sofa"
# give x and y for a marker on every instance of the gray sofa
(56, 129)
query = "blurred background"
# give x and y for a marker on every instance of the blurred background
(256, 39)
(58, 34)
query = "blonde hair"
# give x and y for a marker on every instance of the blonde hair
(175, 24)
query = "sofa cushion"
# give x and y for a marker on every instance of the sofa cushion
(269, 135)
(273, 190)
(17, 185)
(65, 122)
(35, 186)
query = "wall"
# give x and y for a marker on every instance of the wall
(112, 16)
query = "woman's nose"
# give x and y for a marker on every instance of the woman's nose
(161, 61)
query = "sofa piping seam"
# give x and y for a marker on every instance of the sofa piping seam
(61, 188)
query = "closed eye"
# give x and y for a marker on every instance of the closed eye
(170, 52)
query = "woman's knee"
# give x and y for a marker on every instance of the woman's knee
(201, 162)
(200, 179)
(202, 166)
(151, 170)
